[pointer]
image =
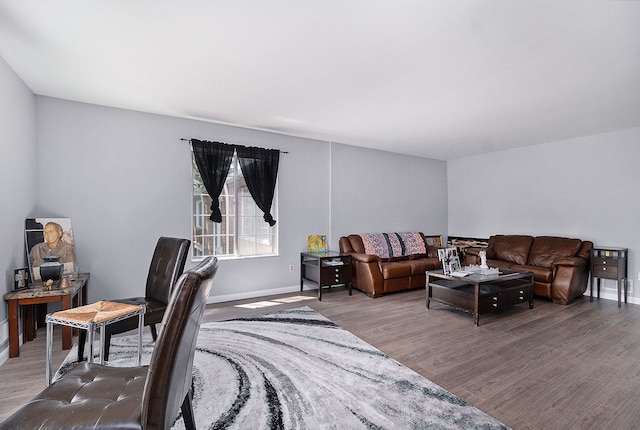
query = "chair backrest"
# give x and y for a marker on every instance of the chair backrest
(170, 370)
(166, 267)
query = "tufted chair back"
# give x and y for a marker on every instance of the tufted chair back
(166, 266)
(168, 384)
(93, 396)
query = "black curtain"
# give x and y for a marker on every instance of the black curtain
(213, 160)
(260, 170)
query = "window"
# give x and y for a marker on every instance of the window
(242, 232)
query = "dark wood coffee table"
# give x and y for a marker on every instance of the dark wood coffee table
(478, 294)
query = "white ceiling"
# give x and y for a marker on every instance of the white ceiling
(439, 79)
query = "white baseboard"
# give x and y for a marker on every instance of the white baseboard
(612, 294)
(4, 341)
(256, 294)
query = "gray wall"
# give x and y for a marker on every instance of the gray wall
(584, 188)
(124, 178)
(377, 191)
(18, 173)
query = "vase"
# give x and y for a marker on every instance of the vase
(52, 268)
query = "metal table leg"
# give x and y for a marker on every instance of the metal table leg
(49, 351)
(140, 327)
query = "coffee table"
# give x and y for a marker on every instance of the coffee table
(478, 294)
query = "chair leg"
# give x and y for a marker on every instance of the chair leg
(154, 333)
(107, 345)
(187, 412)
(82, 338)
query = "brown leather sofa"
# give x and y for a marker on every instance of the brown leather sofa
(389, 262)
(560, 265)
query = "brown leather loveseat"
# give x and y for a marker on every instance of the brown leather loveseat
(560, 265)
(388, 262)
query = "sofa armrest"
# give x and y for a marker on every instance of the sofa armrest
(366, 273)
(569, 279)
(364, 258)
(570, 261)
(471, 256)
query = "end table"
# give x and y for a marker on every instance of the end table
(90, 317)
(325, 269)
(609, 263)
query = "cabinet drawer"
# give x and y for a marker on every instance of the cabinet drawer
(503, 300)
(606, 262)
(340, 275)
(606, 272)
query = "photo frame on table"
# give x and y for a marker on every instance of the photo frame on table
(449, 259)
(21, 278)
(49, 237)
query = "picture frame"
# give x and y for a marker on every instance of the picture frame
(21, 278)
(449, 259)
(317, 243)
(39, 245)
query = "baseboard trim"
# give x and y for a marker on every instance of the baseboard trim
(613, 295)
(256, 294)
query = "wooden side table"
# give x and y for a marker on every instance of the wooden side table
(609, 263)
(325, 269)
(90, 317)
(73, 295)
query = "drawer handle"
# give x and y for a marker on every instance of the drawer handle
(604, 268)
(495, 299)
(495, 305)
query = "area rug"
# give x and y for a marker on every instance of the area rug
(295, 369)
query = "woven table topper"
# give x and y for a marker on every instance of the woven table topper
(96, 312)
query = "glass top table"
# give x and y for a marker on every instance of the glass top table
(476, 293)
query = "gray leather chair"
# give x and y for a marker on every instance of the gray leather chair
(166, 266)
(93, 396)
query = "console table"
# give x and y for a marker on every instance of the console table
(73, 295)
(325, 269)
(609, 263)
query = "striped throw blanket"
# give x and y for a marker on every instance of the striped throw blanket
(387, 245)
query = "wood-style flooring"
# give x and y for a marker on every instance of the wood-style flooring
(551, 367)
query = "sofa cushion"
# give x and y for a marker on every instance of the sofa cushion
(510, 248)
(397, 269)
(540, 274)
(383, 245)
(422, 265)
(390, 245)
(392, 259)
(499, 263)
(547, 249)
(413, 242)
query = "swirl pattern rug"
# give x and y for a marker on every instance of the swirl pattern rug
(295, 369)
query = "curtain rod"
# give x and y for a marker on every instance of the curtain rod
(189, 140)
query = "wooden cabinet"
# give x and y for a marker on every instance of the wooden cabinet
(325, 269)
(609, 263)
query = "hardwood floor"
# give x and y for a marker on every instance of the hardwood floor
(552, 367)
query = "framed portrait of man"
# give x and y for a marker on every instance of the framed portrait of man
(46, 237)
